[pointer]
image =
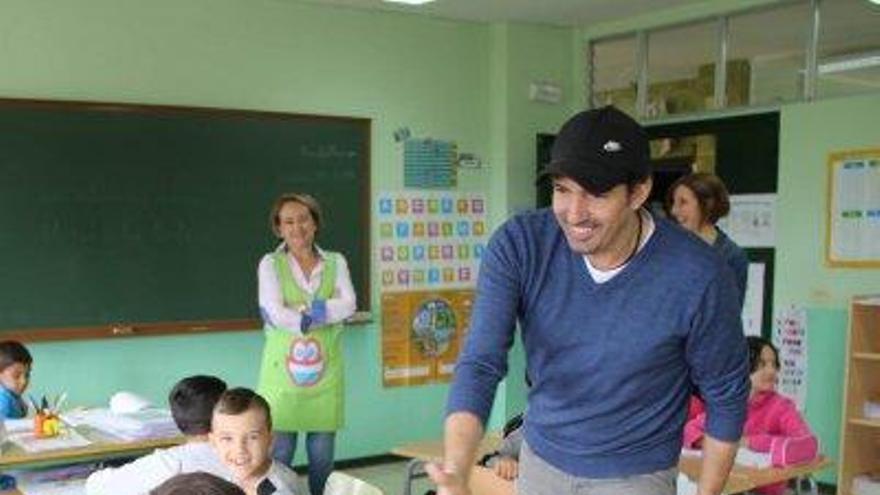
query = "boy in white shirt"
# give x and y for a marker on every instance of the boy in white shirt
(192, 403)
(241, 433)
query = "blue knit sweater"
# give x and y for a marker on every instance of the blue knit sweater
(611, 364)
(736, 259)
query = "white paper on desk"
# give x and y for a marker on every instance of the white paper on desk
(685, 452)
(146, 424)
(67, 439)
(750, 458)
(744, 457)
(14, 426)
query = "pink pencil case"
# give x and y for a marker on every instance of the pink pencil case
(788, 451)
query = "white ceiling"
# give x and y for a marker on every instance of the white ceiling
(555, 12)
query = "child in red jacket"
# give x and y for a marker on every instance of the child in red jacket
(773, 423)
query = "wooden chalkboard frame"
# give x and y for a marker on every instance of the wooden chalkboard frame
(188, 327)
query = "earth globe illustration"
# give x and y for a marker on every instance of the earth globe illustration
(433, 327)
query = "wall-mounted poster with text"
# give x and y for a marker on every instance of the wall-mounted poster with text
(853, 209)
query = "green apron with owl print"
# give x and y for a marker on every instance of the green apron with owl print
(301, 375)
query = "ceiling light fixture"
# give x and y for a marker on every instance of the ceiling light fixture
(414, 2)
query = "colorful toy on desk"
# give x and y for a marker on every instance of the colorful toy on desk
(47, 423)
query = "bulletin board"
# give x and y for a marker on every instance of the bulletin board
(853, 211)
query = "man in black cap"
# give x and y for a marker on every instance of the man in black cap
(620, 313)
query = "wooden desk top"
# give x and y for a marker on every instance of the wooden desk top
(741, 478)
(744, 478)
(102, 447)
(433, 449)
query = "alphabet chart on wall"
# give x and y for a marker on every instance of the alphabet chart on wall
(429, 250)
(430, 240)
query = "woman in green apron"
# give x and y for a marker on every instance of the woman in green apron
(305, 294)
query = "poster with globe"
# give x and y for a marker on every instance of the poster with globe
(421, 335)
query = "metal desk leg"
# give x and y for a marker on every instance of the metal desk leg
(811, 483)
(414, 469)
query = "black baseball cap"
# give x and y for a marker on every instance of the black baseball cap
(600, 149)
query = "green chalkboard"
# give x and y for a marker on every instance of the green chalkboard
(112, 214)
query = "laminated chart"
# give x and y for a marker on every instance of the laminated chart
(430, 240)
(429, 251)
(429, 163)
(422, 332)
(854, 209)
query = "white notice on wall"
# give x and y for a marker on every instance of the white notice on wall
(855, 210)
(790, 336)
(753, 306)
(752, 220)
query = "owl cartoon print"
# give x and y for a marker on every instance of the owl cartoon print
(305, 363)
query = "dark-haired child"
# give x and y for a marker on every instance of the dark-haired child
(241, 433)
(192, 403)
(15, 374)
(773, 423)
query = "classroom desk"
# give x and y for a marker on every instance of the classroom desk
(103, 447)
(419, 452)
(741, 478)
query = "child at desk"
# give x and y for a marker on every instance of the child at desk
(504, 462)
(15, 374)
(241, 433)
(192, 402)
(773, 423)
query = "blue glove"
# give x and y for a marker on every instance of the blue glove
(305, 322)
(319, 312)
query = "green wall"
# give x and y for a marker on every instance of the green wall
(809, 132)
(452, 80)
(439, 78)
(522, 54)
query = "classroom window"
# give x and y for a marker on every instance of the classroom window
(681, 69)
(613, 73)
(769, 55)
(766, 66)
(849, 48)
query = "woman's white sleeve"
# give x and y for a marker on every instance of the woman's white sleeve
(343, 303)
(272, 308)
